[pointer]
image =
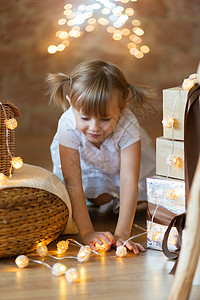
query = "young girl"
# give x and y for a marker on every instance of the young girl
(96, 149)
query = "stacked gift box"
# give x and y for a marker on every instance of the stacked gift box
(166, 190)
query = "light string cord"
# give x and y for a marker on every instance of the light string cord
(40, 262)
(63, 257)
(74, 242)
(134, 237)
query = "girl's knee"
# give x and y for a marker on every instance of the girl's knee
(101, 199)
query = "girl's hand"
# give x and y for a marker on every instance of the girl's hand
(136, 247)
(93, 237)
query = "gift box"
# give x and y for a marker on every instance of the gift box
(165, 200)
(174, 102)
(168, 164)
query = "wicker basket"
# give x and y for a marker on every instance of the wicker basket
(7, 137)
(29, 216)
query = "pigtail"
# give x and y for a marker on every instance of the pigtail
(55, 83)
(141, 103)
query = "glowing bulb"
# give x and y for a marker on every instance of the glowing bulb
(124, 1)
(133, 51)
(194, 78)
(101, 247)
(129, 12)
(139, 54)
(42, 250)
(70, 23)
(103, 21)
(89, 28)
(144, 49)
(61, 47)
(125, 31)
(187, 84)
(156, 236)
(74, 33)
(111, 29)
(11, 123)
(138, 31)
(136, 23)
(62, 246)
(3, 179)
(72, 275)
(92, 21)
(172, 160)
(106, 11)
(84, 253)
(52, 49)
(131, 45)
(59, 269)
(67, 12)
(66, 43)
(62, 34)
(117, 36)
(62, 21)
(68, 6)
(170, 194)
(22, 261)
(121, 251)
(17, 162)
(168, 122)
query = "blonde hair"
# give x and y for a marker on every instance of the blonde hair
(91, 86)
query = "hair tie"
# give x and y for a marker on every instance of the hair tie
(70, 81)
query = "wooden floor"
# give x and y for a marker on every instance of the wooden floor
(142, 277)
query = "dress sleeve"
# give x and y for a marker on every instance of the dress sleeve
(66, 135)
(130, 135)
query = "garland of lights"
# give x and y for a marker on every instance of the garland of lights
(58, 269)
(16, 162)
(172, 160)
(116, 15)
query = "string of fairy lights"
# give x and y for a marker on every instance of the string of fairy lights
(172, 160)
(84, 254)
(15, 162)
(117, 16)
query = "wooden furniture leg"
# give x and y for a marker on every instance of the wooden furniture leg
(190, 250)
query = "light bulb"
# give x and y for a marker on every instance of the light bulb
(84, 253)
(17, 162)
(59, 269)
(22, 261)
(62, 246)
(11, 123)
(194, 78)
(72, 275)
(3, 179)
(172, 160)
(187, 84)
(168, 122)
(42, 250)
(156, 236)
(121, 251)
(101, 247)
(170, 194)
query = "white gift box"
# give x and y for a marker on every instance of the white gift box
(165, 199)
(164, 148)
(174, 102)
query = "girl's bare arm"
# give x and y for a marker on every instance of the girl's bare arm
(129, 176)
(70, 162)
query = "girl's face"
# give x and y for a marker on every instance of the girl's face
(97, 129)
